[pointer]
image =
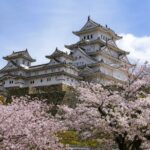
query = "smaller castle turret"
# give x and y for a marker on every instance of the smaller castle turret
(20, 58)
(59, 56)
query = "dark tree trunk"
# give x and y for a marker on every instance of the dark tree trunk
(125, 144)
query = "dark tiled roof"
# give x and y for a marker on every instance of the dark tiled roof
(25, 54)
(58, 53)
(92, 25)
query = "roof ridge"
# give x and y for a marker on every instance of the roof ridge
(20, 51)
(93, 21)
(89, 20)
(23, 53)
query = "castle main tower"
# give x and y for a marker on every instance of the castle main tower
(97, 55)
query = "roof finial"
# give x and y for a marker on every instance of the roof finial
(26, 49)
(56, 49)
(88, 18)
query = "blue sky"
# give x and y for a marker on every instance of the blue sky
(41, 25)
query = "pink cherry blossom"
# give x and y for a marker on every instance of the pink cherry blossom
(118, 116)
(24, 124)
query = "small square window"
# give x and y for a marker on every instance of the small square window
(32, 82)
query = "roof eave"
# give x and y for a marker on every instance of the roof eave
(33, 60)
(78, 33)
(49, 57)
(9, 58)
(59, 55)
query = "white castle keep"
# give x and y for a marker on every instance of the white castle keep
(94, 58)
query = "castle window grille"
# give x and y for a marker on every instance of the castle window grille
(32, 82)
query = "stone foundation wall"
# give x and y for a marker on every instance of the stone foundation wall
(56, 94)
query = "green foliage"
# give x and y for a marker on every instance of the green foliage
(53, 94)
(52, 98)
(18, 91)
(2, 99)
(72, 138)
(71, 98)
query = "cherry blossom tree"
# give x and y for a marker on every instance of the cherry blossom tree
(138, 77)
(111, 115)
(25, 124)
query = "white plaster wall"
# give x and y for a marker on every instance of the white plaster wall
(107, 60)
(22, 61)
(103, 36)
(81, 59)
(1, 74)
(51, 80)
(91, 48)
(111, 52)
(10, 65)
(120, 75)
(20, 83)
(103, 69)
(71, 71)
(21, 73)
(52, 70)
(106, 70)
(114, 53)
(16, 83)
(52, 62)
(94, 34)
(7, 83)
(64, 59)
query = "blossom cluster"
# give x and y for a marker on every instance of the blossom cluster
(25, 124)
(111, 115)
(114, 115)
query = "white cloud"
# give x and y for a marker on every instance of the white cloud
(139, 47)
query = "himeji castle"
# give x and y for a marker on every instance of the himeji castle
(94, 58)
